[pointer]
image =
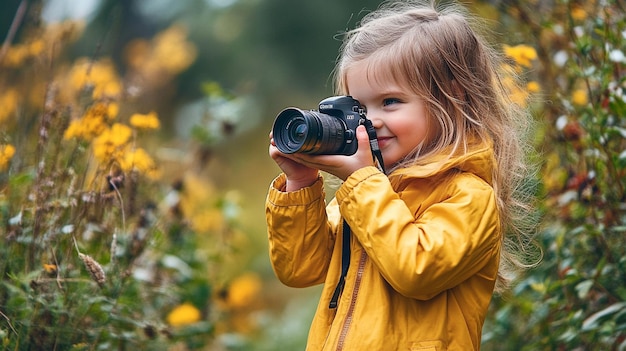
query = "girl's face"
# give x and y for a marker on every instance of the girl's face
(398, 115)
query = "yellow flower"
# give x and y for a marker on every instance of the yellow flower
(119, 134)
(533, 87)
(555, 176)
(147, 121)
(15, 55)
(167, 54)
(74, 130)
(110, 144)
(579, 97)
(112, 110)
(92, 124)
(39, 44)
(521, 54)
(243, 290)
(36, 47)
(172, 51)
(50, 268)
(107, 89)
(8, 104)
(137, 53)
(6, 154)
(516, 94)
(138, 160)
(99, 75)
(182, 315)
(578, 13)
(197, 206)
(519, 97)
(204, 220)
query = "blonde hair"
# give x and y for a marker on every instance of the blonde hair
(437, 54)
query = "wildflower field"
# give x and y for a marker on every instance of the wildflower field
(127, 215)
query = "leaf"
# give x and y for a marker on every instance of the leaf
(592, 321)
(583, 288)
(569, 335)
(21, 180)
(16, 220)
(174, 262)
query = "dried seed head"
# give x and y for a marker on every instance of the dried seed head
(94, 268)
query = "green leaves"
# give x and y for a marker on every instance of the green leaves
(610, 313)
(575, 299)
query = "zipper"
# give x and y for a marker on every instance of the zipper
(357, 284)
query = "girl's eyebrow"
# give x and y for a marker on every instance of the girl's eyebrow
(392, 92)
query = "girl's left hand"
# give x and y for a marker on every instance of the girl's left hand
(341, 166)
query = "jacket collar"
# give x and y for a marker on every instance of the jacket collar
(479, 160)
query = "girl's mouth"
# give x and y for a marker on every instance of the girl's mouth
(382, 141)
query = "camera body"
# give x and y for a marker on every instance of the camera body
(331, 130)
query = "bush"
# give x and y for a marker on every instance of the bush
(576, 298)
(99, 249)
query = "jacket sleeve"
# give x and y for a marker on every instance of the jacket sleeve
(300, 236)
(425, 254)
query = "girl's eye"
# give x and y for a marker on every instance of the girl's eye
(390, 101)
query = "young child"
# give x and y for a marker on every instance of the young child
(427, 242)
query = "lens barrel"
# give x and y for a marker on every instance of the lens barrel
(309, 132)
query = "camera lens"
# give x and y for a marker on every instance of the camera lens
(311, 132)
(298, 133)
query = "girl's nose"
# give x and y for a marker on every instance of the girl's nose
(376, 122)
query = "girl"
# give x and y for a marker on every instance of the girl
(409, 260)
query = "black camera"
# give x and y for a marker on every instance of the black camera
(331, 130)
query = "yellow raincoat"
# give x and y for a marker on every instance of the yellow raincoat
(425, 248)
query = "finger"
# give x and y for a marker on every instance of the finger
(362, 138)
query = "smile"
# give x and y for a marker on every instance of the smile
(382, 141)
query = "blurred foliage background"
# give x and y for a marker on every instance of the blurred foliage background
(134, 168)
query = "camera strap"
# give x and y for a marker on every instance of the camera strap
(345, 237)
(371, 133)
(345, 263)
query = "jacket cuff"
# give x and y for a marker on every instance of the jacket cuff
(353, 180)
(279, 197)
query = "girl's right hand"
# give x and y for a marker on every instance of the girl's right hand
(298, 175)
